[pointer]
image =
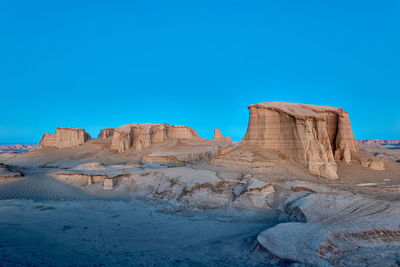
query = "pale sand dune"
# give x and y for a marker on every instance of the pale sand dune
(41, 187)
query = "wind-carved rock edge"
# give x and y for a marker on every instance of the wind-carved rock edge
(313, 136)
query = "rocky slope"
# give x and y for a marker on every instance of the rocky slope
(333, 228)
(64, 137)
(313, 136)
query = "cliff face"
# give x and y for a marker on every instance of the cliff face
(64, 137)
(311, 135)
(139, 136)
(219, 137)
(105, 133)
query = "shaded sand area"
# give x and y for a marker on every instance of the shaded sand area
(47, 222)
(38, 186)
(107, 232)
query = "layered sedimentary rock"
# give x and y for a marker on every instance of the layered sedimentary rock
(105, 133)
(378, 164)
(333, 228)
(64, 137)
(311, 135)
(219, 137)
(200, 188)
(139, 136)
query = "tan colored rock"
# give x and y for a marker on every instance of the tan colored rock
(137, 136)
(105, 133)
(224, 150)
(311, 135)
(64, 137)
(377, 164)
(79, 179)
(180, 132)
(108, 184)
(219, 137)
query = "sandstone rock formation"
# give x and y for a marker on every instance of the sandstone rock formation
(90, 173)
(333, 228)
(311, 135)
(200, 188)
(139, 136)
(105, 133)
(64, 137)
(378, 164)
(219, 137)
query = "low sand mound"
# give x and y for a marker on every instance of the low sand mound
(40, 187)
(8, 173)
(91, 166)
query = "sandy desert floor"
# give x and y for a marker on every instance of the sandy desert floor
(46, 222)
(194, 215)
(134, 232)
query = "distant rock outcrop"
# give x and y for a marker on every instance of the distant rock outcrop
(137, 136)
(106, 133)
(219, 137)
(378, 142)
(64, 137)
(311, 135)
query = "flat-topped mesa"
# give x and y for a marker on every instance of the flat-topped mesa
(138, 136)
(219, 137)
(64, 137)
(311, 135)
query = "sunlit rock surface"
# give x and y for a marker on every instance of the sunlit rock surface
(64, 137)
(219, 137)
(137, 136)
(311, 135)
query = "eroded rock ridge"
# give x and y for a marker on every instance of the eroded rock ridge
(139, 136)
(64, 137)
(219, 137)
(314, 136)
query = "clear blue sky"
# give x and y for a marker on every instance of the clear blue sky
(97, 64)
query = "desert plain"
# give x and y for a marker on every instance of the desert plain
(298, 190)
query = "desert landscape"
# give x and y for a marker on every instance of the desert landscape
(297, 190)
(199, 133)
